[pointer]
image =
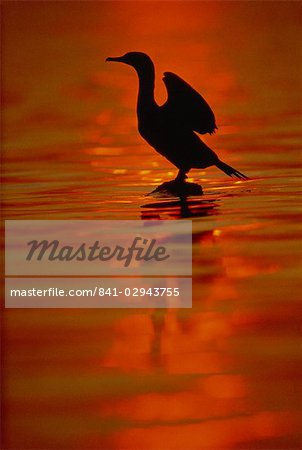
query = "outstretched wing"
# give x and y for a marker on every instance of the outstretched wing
(186, 106)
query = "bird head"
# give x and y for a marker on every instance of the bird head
(138, 60)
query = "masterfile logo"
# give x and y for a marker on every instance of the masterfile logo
(98, 264)
(140, 250)
(84, 247)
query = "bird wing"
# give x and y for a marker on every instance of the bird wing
(186, 106)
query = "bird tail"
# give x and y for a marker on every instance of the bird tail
(230, 170)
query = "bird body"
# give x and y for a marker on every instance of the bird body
(171, 128)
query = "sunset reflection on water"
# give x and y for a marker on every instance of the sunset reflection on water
(224, 375)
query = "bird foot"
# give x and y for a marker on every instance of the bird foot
(177, 188)
(181, 177)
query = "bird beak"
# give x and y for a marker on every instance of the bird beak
(116, 59)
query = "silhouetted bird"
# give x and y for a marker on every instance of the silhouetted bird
(170, 128)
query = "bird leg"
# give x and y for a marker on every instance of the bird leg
(181, 176)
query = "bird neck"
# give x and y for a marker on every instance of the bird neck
(146, 87)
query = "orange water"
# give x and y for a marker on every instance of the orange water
(224, 375)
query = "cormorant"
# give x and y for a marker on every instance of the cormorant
(171, 128)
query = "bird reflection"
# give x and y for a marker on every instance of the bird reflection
(176, 204)
(171, 128)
